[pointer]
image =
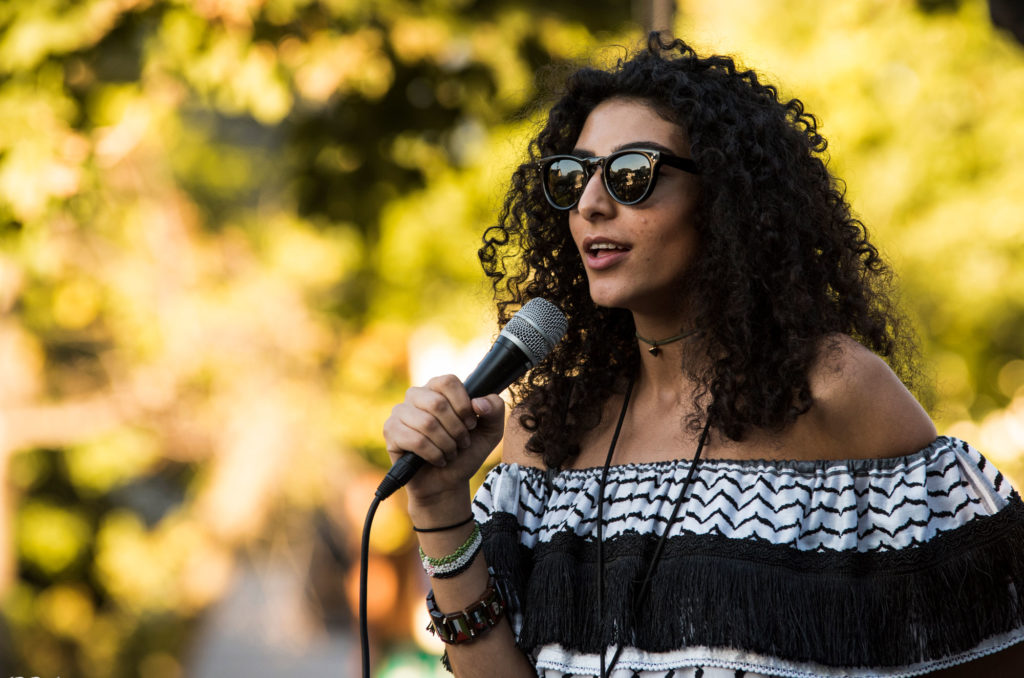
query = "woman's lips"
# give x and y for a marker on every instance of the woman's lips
(600, 253)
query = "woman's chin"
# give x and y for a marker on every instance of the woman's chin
(654, 305)
(606, 299)
(609, 300)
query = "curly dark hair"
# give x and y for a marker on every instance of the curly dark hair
(782, 263)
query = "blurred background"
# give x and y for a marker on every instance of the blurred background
(233, 231)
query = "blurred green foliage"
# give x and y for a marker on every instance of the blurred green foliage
(222, 222)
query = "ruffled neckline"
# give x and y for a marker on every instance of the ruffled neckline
(801, 466)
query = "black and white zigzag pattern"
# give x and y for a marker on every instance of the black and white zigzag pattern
(882, 567)
(861, 505)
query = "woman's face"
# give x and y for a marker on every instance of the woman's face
(635, 256)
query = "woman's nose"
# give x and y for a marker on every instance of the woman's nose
(595, 201)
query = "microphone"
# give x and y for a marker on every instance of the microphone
(526, 339)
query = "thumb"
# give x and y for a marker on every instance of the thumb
(491, 412)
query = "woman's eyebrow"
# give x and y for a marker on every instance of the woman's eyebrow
(647, 145)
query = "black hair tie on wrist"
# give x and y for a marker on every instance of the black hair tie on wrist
(442, 529)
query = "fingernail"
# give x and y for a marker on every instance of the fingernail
(483, 405)
(470, 423)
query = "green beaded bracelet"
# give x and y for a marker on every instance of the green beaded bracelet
(453, 563)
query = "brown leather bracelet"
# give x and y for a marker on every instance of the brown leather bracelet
(472, 622)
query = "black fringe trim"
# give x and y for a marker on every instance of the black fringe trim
(844, 609)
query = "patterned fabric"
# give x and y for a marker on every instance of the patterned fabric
(881, 567)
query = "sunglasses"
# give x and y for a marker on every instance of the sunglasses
(628, 175)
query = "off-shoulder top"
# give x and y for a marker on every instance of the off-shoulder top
(880, 567)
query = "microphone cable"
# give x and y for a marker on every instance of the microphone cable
(364, 558)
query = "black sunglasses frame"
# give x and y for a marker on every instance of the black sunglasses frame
(655, 158)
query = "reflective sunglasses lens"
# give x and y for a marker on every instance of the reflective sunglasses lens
(564, 180)
(628, 177)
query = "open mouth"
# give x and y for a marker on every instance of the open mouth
(602, 249)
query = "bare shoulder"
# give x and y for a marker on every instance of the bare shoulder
(513, 448)
(861, 406)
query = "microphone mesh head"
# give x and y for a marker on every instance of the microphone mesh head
(538, 326)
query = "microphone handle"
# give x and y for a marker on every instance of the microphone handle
(401, 473)
(502, 365)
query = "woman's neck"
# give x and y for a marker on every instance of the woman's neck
(661, 370)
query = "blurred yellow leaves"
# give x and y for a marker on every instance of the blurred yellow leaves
(21, 364)
(435, 233)
(332, 64)
(230, 11)
(423, 37)
(76, 303)
(42, 157)
(51, 537)
(160, 665)
(371, 364)
(67, 610)
(162, 569)
(99, 465)
(130, 566)
(30, 176)
(377, 357)
(225, 66)
(221, 222)
(258, 89)
(41, 31)
(495, 43)
(312, 258)
(563, 39)
(201, 565)
(1011, 378)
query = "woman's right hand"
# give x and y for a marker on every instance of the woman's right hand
(453, 434)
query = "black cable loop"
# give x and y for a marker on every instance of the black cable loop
(680, 500)
(600, 512)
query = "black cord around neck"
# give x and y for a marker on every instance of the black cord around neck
(600, 512)
(680, 500)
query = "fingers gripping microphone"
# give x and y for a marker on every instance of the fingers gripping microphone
(525, 340)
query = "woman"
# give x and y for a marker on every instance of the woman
(714, 473)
